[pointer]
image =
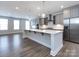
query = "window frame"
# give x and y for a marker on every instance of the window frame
(14, 26)
(7, 27)
(28, 25)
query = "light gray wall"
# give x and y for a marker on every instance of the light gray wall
(10, 26)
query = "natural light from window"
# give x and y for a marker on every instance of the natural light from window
(16, 24)
(27, 24)
(3, 24)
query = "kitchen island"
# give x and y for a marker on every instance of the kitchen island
(50, 38)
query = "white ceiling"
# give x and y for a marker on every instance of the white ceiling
(28, 9)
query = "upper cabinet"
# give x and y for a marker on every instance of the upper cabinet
(66, 13)
(71, 12)
(43, 21)
(59, 19)
(74, 12)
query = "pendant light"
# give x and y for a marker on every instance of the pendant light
(43, 14)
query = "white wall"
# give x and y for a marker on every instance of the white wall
(10, 26)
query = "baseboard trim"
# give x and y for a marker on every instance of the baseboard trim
(54, 53)
(10, 33)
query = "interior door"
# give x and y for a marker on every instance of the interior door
(74, 30)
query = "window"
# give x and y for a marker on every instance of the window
(3, 24)
(16, 24)
(27, 24)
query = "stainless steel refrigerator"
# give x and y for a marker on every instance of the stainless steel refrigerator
(71, 31)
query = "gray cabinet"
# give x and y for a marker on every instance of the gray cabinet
(59, 19)
(71, 12)
(74, 12)
(66, 13)
(43, 21)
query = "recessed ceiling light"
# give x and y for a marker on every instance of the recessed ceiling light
(17, 8)
(62, 6)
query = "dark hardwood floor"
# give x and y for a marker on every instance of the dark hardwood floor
(16, 46)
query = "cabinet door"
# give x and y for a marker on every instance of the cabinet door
(46, 39)
(59, 19)
(66, 13)
(46, 21)
(74, 11)
(41, 21)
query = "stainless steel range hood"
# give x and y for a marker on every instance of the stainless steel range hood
(51, 18)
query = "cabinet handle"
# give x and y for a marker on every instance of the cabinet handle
(42, 33)
(34, 32)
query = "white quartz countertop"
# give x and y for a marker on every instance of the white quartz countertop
(45, 31)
